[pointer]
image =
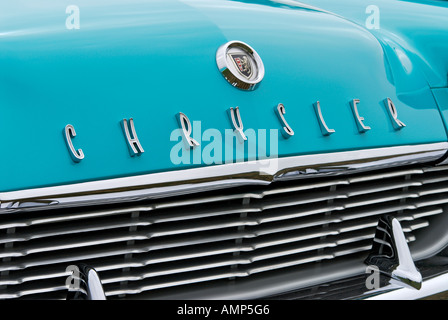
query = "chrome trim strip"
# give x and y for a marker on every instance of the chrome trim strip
(434, 286)
(431, 288)
(260, 172)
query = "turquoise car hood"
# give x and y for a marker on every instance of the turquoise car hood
(418, 27)
(150, 60)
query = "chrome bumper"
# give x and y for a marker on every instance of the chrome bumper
(434, 288)
(433, 271)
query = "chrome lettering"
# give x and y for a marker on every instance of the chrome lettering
(359, 120)
(280, 111)
(237, 126)
(135, 148)
(393, 114)
(323, 126)
(69, 132)
(185, 125)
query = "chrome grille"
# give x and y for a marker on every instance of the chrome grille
(228, 236)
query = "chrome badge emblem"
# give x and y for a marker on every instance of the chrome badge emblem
(240, 65)
(243, 64)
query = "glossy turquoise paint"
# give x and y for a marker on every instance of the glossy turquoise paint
(150, 60)
(441, 95)
(419, 26)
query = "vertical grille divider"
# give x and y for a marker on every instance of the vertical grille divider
(404, 200)
(327, 214)
(239, 241)
(8, 245)
(128, 257)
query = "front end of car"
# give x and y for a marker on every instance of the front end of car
(223, 150)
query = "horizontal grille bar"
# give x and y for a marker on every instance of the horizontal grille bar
(213, 236)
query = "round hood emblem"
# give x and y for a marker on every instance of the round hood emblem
(240, 64)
